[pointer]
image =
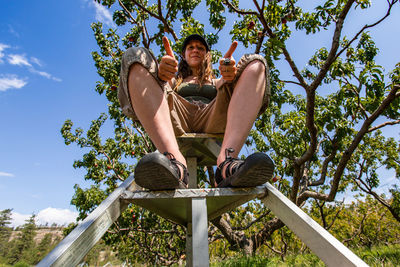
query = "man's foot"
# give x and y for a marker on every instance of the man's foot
(256, 169)
(156, 171)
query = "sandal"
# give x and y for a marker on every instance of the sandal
(156, 171)
(255, 170)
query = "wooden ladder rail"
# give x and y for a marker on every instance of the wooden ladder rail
(71, 250)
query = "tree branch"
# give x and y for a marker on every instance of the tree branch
(146, 10)
(159, 17)
(321, 212)
(297, 83)
(366, 27)
(367, 189)
(310, 194)
(252, 222)
(335, 46)
(148, 147)
(294, 68)
(360, 228)
(296, 182)
(349, 152)
(271, 247)
(357, 139)
(269, 228)
(260, 41)
(236, 239)
(128, 12)
(383, 125)
(335, 217)
(359, 104)
(310, 106)
(271, 34)
(324, 169)
(237, 10)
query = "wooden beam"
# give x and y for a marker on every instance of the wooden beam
(320, 241)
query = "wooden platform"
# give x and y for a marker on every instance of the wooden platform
(193, 208)
(204, 147)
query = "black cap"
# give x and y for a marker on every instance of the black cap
(195, 37)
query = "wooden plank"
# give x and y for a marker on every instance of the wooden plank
(199, 253)
(192, 169)
(213, 147)
(321, 242)
(205, 147)
(131, 196)
(71, 250)
(175, 205)
(189, 245)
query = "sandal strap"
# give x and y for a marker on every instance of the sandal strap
(232, 165)
(175, 163)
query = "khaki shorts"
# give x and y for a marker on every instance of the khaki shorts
(187, 117)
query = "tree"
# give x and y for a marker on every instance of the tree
(5, 230)
(359, 224)
(324, 141)
(23, 246)
(42, 249)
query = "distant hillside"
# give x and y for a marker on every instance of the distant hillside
(13, 251)
(56, 232)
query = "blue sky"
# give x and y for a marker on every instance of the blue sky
(47, 75)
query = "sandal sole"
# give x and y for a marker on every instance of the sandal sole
(154, 172)
(257, 169)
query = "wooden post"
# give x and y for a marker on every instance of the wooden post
(192, 169)
(199, 225)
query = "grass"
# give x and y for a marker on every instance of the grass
(381, 256)
(376, 256)
(387, 256)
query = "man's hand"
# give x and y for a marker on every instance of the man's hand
(168, 65)
(227, 65)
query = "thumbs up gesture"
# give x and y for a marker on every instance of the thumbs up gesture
(227, 65)
(168, 65)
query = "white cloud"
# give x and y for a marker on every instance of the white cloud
(54, 215)
(44, 74)
(103, 14)
(2, 48)
(12, 31)
(36, 61)
(18, 219)
(6, 174)
(49, 215)
(19, 60)
(11, 82)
